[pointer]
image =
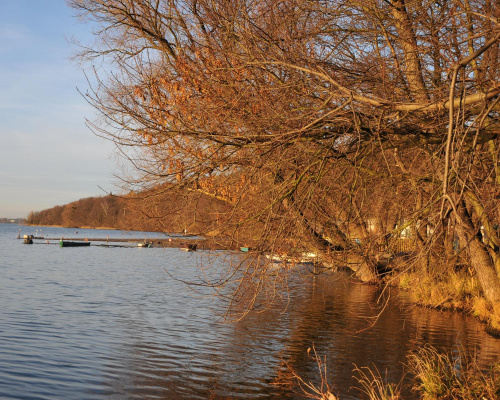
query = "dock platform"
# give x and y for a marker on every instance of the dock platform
(176, 242)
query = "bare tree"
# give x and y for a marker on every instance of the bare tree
(344, 122)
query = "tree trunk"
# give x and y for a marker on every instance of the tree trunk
(412, 66)
(364, 268)
(480, 258)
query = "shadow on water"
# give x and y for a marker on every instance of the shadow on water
(344, 322)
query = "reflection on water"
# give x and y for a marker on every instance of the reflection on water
(112, 323)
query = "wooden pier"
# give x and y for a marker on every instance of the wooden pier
(175, 242)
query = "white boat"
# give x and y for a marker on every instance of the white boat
(304, 258)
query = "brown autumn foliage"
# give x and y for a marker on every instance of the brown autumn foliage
(336, 124)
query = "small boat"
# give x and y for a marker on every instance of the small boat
(245, 249)
(66, 243)
(277, 258)
(304, 259)
(146, 244)
(309, 258)
(188, 246)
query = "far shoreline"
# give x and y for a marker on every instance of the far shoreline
(83, 227)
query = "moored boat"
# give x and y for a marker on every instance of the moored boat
(304, 259)
(67, 243)
(188, 246)
(28, 239)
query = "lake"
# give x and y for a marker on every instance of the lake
(121, 323)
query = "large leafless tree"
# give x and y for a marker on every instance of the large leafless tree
(340, 120)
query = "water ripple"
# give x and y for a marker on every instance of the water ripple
(111, 323)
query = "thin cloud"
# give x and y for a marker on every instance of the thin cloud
(47, 155)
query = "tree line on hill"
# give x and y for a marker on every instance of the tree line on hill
(190, 211)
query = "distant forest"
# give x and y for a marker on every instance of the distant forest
(166, 211)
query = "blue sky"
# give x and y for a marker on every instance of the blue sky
(48, 156)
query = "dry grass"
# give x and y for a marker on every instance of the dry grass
(453, 290)
(452, 376)
(375, 387)
(436, 376)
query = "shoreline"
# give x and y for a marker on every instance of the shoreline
(79, 227)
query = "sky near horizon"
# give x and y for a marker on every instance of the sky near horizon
(48, 156)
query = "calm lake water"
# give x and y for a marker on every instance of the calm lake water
(117, 323)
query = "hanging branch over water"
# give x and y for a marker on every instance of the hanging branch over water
(340, 122)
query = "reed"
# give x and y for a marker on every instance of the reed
(375, 386)
(435, 373)
(324, 390)
(435, 376)
(452, 376)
